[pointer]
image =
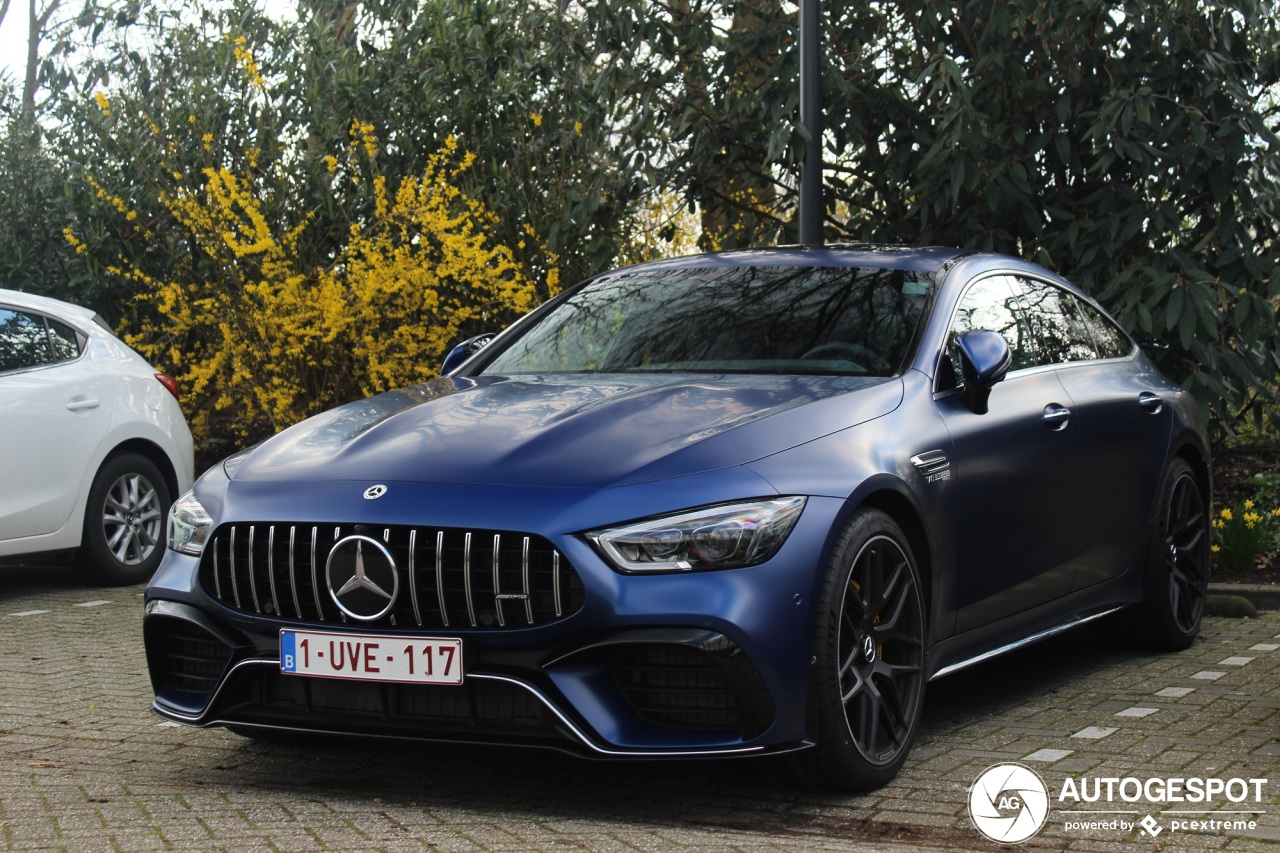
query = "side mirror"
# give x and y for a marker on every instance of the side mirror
(984, 360)
(464, 351)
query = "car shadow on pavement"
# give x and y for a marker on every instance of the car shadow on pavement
(732, 794)
(23, 580)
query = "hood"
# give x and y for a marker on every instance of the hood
(571, 431)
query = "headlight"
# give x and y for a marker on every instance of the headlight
(718, 537)
(189, 525)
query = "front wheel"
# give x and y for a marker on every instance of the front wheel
(124, 521)
(1176, 578)
(867, 685)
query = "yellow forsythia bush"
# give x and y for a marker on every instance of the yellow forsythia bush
(269, 341)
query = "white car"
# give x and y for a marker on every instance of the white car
(93, 445)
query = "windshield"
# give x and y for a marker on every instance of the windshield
(836, 320)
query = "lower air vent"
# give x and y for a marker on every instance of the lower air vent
(475, 710)
(677, 686)
(184, 657)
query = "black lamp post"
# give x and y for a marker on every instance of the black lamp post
(811, 204)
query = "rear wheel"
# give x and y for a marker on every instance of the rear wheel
(124, 521)
(867, 686)
(1176, 577)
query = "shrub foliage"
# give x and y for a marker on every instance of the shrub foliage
(199, 150)
(261, 339)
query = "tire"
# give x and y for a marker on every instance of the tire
(124, 521)
(866, 688)
(1176, 575)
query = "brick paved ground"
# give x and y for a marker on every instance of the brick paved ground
(84, 767)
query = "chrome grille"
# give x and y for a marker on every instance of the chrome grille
(449, 578)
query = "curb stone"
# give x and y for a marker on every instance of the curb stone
(1260, 595)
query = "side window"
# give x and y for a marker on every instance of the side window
(23, 341)
(65, 341)
(1111, 339)
(31, 340)
(1060, 329)
(990, 304)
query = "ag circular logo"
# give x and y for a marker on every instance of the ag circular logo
(362, 578)
(1009, 803)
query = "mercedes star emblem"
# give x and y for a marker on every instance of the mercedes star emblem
(374, 492)
(362, 578)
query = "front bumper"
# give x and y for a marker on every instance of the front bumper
(649, 666)
(685, 692)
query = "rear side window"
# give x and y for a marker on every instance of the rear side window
(32, 340)
(1062, 335)
(1111, 340)
(63, 340)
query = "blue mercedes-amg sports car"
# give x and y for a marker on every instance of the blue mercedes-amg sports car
(738, 504)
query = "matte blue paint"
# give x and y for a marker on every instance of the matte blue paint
(1035, 521)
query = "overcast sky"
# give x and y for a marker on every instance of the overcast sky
(13, 35)
(13, 40)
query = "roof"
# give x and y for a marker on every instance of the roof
(46, 304)
(918, 259)
(86, 319)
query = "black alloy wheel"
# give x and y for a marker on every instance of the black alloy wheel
(1186, 538)
(867, 687)
(1177, 570)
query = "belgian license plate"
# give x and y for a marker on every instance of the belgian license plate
(371, 657)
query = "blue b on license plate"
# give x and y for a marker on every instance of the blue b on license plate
(371, 657)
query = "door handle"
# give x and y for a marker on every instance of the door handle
(1152, 403)
(77, 404)
(1056, 417)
